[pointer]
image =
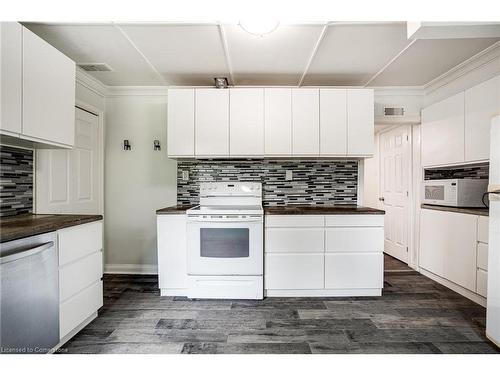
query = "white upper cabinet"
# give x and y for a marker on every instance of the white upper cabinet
(333, 122)
(360, 122)
(11, 34)
(305, 122)
(278, 122)
(443, 132)
(246, 122)
(212, 122)
(48, 105)
(180, 120)
(481, 103)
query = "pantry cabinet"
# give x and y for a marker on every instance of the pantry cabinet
(246, 122)
(270, 122)
(481, 103)
(180, 117)
(37, 89)
(212, 122)
(443, 132)
(278, 122)
(305, 122)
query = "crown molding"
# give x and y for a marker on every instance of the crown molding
(482, 58)
(91, 83)
(117, 91)
(398, 90)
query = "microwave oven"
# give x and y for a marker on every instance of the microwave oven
(454, 192)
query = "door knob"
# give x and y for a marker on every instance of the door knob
(381, 199)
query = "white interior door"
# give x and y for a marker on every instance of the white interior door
(70, 181)
(395, 175)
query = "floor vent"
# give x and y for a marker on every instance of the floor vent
(95, 67)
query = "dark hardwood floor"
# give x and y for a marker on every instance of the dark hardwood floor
(414, 315)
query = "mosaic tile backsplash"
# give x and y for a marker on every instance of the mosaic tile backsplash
(16, 181)
(479, 171)
(314, 182)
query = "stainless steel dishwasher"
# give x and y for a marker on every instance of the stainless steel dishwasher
(29, 294)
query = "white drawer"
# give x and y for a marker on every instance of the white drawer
(350, 240)
(354, 220)
(354, 271)
(482, 283)
(79, 307)
(482, 256)
(288, 221)
(76, 276)
(482, 229)
(294, 240)
(294, 271)
(78, 241)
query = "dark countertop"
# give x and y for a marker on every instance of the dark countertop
(174, 210)
(471, 211)
(20, 226)
(322, 210)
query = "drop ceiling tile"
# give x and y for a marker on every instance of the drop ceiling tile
(183, 54)
(426, 60)
(279, 58)
(100, 44)
(350, 54)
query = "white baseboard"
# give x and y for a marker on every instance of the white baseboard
(456, 288)
(370, 292)
(132, 269)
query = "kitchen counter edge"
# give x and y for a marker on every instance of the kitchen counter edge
(291, 210)
(460, 210)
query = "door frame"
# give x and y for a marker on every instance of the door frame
(414, 171)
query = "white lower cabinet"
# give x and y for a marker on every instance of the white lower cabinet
(317, 255)
(294, 271)
(172, 256)
(80, 273)
(354, 270)
(451, 248)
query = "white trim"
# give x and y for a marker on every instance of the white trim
(91, 83)
(132, 269)
(485, 56)
(313, 54)
(73, 332)
(173, 292)
(225, 47)
(323, 292)
(117, 91)
(455, 287)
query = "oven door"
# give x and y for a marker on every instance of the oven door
(225, 245)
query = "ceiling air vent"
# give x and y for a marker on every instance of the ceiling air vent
(394, 111)
(95, 67)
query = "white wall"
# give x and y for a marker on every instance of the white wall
(137, 182)
(371, 178)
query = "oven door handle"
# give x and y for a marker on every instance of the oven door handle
(223, 220)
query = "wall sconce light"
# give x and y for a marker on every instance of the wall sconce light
(126, 145)
(156, 145)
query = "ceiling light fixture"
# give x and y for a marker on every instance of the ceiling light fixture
(259, 27)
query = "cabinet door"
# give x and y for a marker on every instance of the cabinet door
(212, 122)
(354, 271)
(180, 122)
(333, 122)
(448, 246)
(305, 122)
(294, 271)
(294, 240)
(360, 122)
(11, 34)
(48, 92)
(481, 103)
(246, 122)
(278, 122)
(172, 260)
(443, 132)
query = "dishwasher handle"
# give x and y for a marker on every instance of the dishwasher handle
(24, 253)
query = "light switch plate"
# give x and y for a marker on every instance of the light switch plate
(185, 175)
(289, 175)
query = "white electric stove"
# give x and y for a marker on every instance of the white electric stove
(225, 242)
